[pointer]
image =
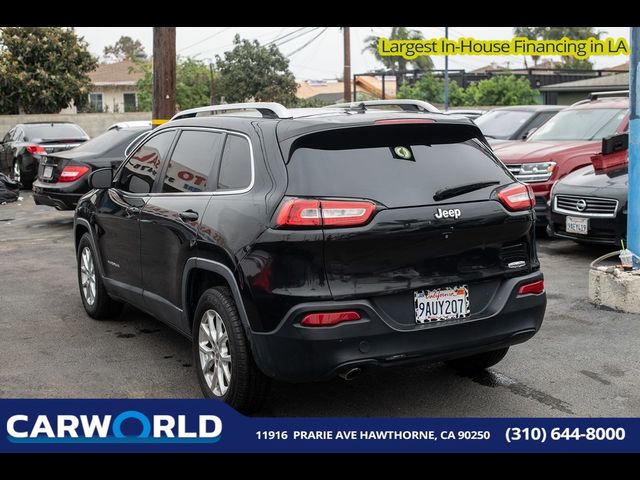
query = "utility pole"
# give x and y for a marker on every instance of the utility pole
(446, 74)
(633, 211)
(213, 97)
(346, 76)
(164, 75)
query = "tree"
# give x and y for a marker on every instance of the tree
(498, 90)
(125, 48)
(255, 72)
(556, 33)
(193, 84)
(530, 33)
(397, 63)
(501, 90)
(43, 69)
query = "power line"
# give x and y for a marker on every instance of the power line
(205, 39)
(277, 39)
(308, 43)
(302, 34)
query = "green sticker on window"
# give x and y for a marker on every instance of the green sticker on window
(402, 152)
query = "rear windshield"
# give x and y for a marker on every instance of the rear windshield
(110, 140)
(581, 124)
(502, 123)
(54, 131)
(394, 165)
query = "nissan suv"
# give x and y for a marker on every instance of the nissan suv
(302, 244)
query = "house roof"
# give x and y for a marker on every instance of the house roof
(119, 73)
(618, 81)
(332, 90)
(623, 67)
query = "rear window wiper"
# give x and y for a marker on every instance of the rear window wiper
(450, 192)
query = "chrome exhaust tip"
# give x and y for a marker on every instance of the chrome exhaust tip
(350, 373)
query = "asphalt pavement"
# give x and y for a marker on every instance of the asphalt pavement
(584, 361)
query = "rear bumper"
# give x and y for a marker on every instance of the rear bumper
(295, 353)
(62, 200)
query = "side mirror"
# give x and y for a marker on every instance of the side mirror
(615, 143)
(101, 178)
(529, 132)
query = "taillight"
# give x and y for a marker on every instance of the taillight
(517, 197)
(37, 149)
(72, 172)
(303, 212)
(535, 288)
(329, 318)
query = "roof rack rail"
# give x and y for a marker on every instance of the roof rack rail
(267, 109)
(615, 93)
(405, 105)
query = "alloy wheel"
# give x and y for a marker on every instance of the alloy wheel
(215, 356)
(87, 276)
(16, 171)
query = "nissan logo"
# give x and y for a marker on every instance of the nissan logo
(581, 205)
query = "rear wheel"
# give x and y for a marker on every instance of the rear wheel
(225, 366)
(479, 361)
(16, 173)
(97, 302)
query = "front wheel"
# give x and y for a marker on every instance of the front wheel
(478, 362)
(225, 366)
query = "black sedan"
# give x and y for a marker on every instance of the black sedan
(24, 145)
(590, 206)
(502, 124)
(62, 177)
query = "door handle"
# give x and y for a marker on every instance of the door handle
(188, 216)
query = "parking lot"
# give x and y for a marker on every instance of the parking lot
(584, 361)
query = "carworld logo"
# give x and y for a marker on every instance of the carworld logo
(130, 426)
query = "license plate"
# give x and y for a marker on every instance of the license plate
(577, 225)
(441, 304)
(47, 173)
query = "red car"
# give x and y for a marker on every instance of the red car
(564, 144)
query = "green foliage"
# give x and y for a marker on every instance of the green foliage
(254, 72)
(556, 33)
(498, 90)
(125, 48)
(193, 84)
(43, 69)
(501, 90)
(398, 64)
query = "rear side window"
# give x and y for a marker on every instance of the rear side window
(395, 165)
(192, 162)
(141, 170)
(235, 167)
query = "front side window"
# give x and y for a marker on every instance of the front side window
(192, 162)
(141, 170)
(235, 167)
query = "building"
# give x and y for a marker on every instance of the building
(114, 87)
(570, 92)
(332, 91)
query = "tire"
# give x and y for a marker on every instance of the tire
(478, 362)
(97, 302)
(16, 173)
(224, 364)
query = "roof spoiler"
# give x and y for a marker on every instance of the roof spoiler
(405, 105)
(266, 109)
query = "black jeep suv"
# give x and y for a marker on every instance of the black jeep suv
(303, 244)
